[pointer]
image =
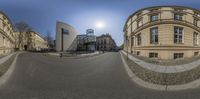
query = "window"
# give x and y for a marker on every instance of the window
(154, 10)
(180, 10)
(4, 17)
(138, 53)
(196, 53)
(139, 23)
(101, 41)
(65, 32)
(153, 55)
(178, 55)
(8, 28)
(139, 14)
(154, 35)
(154, 17)
(196, 13)
(4, 24)
(178, 35)
(195, 38)
(132, 41)
(195, 22)
(131, 52)
(178, 16)
(139, 39)
(104, 41)
(3, 41)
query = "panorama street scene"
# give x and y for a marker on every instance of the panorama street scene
(99, 49)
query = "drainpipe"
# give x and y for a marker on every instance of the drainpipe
(127, 46)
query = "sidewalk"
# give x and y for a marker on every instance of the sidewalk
(66, 55)
(5, 58)
(164, 69)
(90, 54)
(8, 65)
(161, 81)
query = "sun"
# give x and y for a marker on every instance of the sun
(100, 24)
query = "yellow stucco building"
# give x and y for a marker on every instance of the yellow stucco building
(31, 41)
(39, 42)
(7, 41)
(163, 32)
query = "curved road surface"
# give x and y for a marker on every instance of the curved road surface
(98, 77)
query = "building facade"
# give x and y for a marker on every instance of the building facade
(7, 41)
(38, 42)
(163, 32)
(86, 42)
(31, 41)
(106, 43)
(81, 42)
(65, 37)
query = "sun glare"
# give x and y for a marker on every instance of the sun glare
(100, 25)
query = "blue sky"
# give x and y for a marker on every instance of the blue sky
(81, 14)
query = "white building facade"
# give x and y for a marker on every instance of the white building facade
(65, 37)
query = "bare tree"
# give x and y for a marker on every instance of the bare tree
(22, 27)
(49, 39)
(29, 38)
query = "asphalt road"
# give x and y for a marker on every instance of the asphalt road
(98, 77)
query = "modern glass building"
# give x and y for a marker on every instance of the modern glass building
(86, 42)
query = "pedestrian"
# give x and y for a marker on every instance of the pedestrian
(60, 55)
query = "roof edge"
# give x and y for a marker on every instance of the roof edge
(151, 7)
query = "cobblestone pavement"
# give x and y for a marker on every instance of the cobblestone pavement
(163, 78)
(99, 77)
(164, 69)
